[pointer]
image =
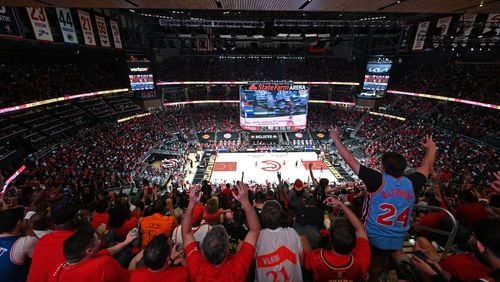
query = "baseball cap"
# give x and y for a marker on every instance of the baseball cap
(298, 185)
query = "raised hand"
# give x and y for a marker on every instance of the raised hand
(242, 194)
(332, 201)
(428, 143)
(335, 133)
(195, 194)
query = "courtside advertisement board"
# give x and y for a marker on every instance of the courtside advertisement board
(273, 106)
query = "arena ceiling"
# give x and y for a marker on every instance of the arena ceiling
(393, 6)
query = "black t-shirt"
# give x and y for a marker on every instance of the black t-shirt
(373, 179)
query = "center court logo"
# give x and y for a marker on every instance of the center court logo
(271, 165)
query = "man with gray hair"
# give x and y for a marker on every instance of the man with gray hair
(213, 262)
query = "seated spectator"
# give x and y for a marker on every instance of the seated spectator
(198, 227)
(100, 215)
(349, 258)
(214, 263)
(84, 261)
(49, 249)
(11, 223)
(234, 223)
(309, 221)
(157, 223)
(279, 250)
(470, 210)
(159, 257)
(212, 213)
(481, 265)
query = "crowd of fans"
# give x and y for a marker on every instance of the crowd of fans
(55, 76)
(475, 81)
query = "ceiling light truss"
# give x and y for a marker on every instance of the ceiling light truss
(210, 23)
(339, 23)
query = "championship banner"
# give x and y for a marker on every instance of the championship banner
(67, 27)
(40, 23)
(88, 31)
(8, 23)
(230, 136)
(102, 30)
(468, 21)
(115, 30)
(443, 24)
(419, 42)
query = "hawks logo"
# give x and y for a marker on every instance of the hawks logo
(271, 166)
(227, 135)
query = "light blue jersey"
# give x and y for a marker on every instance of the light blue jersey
(387, 212)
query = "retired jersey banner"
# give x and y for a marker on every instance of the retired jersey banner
(468, 21)
(8, 23)
(102, 30)
(443, 24)
(419, 42)
(67, 26)
(88, 31)
(115, 30)
(40, 23)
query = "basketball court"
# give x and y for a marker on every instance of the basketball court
(263, 167)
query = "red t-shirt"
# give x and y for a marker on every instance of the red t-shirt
(471, 213)
(99, 218)
(171, 274)
(234, 269)
(464, 267)
(102, 267)
(48, 253)
(212, 218)
(127, 226)
(327, 266)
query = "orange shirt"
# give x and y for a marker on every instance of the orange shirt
(156, 224)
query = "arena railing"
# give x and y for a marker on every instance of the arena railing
(451, 234)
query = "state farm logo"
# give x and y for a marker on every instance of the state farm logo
(271, 165)
(253, 87)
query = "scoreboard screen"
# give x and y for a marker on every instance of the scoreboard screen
(377, 76)
(268, 106)
(141, 78)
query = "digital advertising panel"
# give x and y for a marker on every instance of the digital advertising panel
(378, 70)
(140, 74)
(273, 106)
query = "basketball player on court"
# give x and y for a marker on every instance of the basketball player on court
(390, 199)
